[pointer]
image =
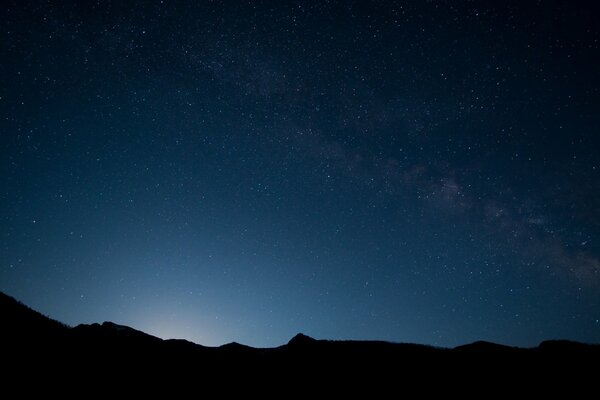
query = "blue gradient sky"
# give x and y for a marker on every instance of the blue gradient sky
(225, 171)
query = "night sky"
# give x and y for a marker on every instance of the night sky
(422, 171)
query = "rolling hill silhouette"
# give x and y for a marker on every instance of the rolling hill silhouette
(36, 346)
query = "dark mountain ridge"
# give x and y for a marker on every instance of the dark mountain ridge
(47, 348)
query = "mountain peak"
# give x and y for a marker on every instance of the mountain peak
(301, 339)
(234, 346)
(121, 328)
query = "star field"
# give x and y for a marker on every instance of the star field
(242, 171)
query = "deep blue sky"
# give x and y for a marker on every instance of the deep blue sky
(225, 171)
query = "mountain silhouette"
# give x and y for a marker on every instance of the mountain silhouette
(301, 340)
(41, 348)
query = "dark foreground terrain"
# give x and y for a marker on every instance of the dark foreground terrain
(40, 353)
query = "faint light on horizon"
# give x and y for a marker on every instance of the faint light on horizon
(171, 328)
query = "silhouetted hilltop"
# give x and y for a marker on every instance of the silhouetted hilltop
(482, 346)
(43, 347)
(301, 340)
(112, 331)
(17, 316)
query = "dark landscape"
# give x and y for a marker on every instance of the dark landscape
(111, 354)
